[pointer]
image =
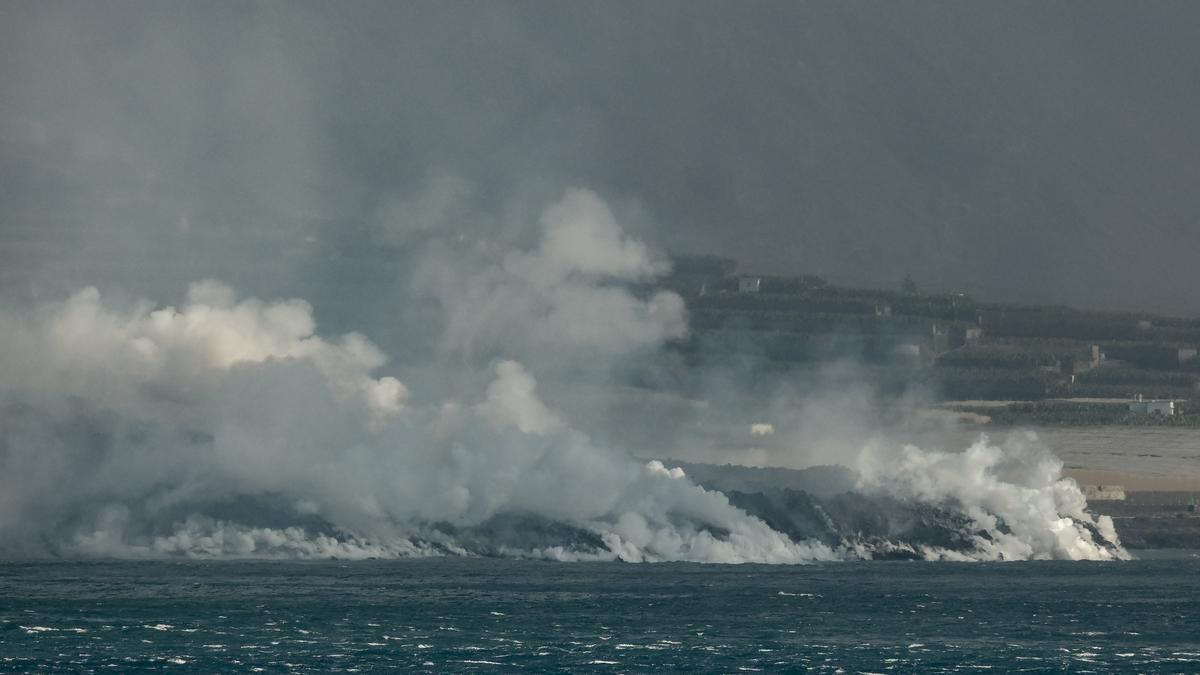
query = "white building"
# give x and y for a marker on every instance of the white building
(1144, 406)
(749, 284)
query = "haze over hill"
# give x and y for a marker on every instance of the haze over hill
(1027, 151)
(202, 205)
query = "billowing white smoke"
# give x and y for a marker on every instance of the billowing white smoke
(1014, 494)
(566, 296)
(117, 420)
(228, 427)
(80, 347)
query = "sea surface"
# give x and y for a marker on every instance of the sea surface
(484, 615)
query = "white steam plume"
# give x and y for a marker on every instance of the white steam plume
(565, 296)
(125, 428)
(229, 427)
(1015, 496)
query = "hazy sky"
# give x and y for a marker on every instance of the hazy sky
(484, 189)
(1033, 151)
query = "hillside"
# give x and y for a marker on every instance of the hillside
(957, 347)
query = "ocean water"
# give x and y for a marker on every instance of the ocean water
(486, 615)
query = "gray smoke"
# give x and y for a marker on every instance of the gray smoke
(119, 420)
(456, 375)
(229, 427)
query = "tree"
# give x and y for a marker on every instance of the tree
(908, 286)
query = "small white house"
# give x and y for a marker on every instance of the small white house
(749, 284)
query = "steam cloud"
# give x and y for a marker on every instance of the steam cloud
(228, 427)
(1014, 495)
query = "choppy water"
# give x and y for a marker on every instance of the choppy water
(495, 615)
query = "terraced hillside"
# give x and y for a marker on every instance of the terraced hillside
(952, 344)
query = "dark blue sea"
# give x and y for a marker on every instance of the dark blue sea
(483, 615)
